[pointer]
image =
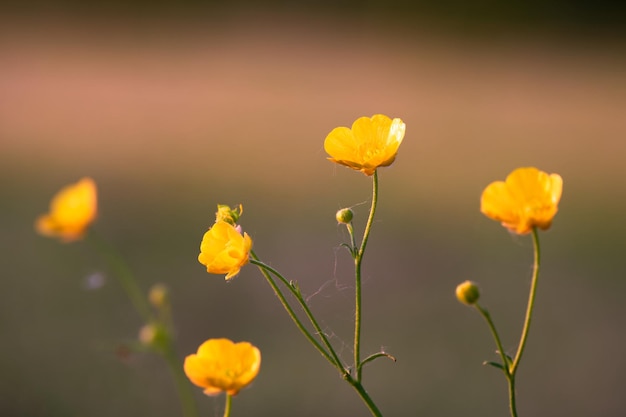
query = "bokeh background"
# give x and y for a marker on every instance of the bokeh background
(174, 108)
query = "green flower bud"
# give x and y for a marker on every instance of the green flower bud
(344, 215)
(467, 293)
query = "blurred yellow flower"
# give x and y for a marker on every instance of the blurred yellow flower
(223, 366)
(528, 198)
(72, 210)
(371, 143)
(224, 250)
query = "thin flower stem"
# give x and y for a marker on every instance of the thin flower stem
(353, 248)
(187, 401)
(357, 269)
(185, 394)
(370, 219)
(124, 276)
(296, 293)
(138, 299)
(496, 337)
(512, 404)
(305, 307)
(165, 316)
(265, 271)
(509, 366)
(506, 363)
(229, 400)
(333, 358)
(364, 395)
(531, 302)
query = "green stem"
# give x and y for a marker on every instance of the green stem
(229, 400)
(505, 361)
(357, 270)
(183, 387)
(332, 357)
(305, 307)
(127, 280)
(364, 396)
(512, 403)
(264, 270)
(353, 248)
(124, 276)
(531, 302)
(510, 367)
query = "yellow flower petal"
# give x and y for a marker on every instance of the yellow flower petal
(223, 366)
(224, 250)
(527, 198)
(72, 210)
(371, 143)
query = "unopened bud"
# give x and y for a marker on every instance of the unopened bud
(467, 293)
(227, 214)
(153, 335)
(344, 215)
(148, 334)
(158, 295)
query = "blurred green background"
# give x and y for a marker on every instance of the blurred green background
(174, 108)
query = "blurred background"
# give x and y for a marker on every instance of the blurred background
(175, 107)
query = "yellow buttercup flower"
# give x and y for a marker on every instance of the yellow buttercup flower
(72, 210)
(223, 366)
(371, 143)
(528, 198)
(224, 250)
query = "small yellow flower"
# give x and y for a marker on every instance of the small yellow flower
(528, 198)
(223, 366)
(224, 250)
(371, 143)
(72, 210)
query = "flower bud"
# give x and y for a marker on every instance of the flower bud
(227, 214)
(467, 293)
(344, 215)
(148, 334)
(158, 295)
(153, 335)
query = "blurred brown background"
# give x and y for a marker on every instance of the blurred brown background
(174, 109)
